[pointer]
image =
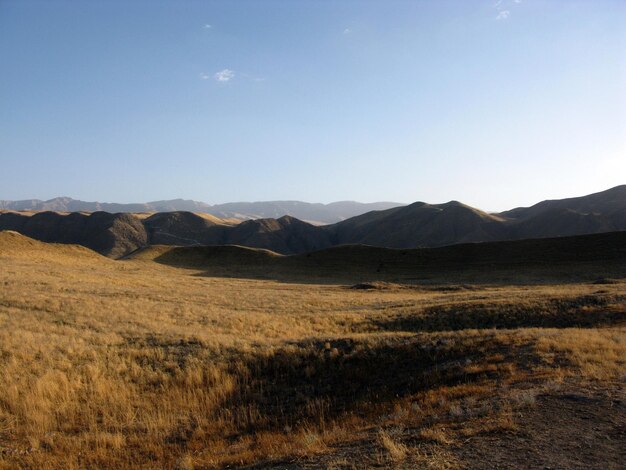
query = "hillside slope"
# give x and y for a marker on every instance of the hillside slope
(596, 213)
(14, 245)
(112, 235)
(420, 224)
(286, 235)
(416, 225)
(605, 202)
(184, 228)
(583, 257)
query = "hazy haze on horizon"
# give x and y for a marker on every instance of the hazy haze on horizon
(494, 103)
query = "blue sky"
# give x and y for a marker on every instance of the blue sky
(494, 103)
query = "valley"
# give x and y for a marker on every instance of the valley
(209, 357)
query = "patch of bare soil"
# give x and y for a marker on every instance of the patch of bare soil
(575, 430)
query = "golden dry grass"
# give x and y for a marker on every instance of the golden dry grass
(132, 364)
(394, 451)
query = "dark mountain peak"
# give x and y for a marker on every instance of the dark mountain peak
(416, 205)
(266, 225)
(452, 203)
(175, 216)
(290, 220)
(272, 224)
(184, 228)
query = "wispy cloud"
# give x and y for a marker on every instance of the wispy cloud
(347, 31)
(207, 26)
(225, 75)
(205, 76)
(503, 15)
(504, 7)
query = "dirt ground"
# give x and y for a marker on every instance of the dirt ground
(580, 429)
(575, 428)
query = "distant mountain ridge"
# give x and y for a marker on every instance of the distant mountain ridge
(417, 225)
(312, 212)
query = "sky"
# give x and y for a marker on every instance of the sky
(498, 103)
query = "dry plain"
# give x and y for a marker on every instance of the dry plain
(136, 363)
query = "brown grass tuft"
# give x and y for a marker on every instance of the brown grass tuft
(395, 451)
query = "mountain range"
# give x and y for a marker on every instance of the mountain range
(312, 212)
(412, 226)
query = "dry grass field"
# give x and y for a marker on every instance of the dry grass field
(138, 364)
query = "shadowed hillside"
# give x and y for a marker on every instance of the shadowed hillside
(14, 245)
(421, 224)
(425, 225)
(587, 257)
(206, 256)
(184, 228)
(595, 213)
(112, 235)
(605, 202)
(414, 226)
(285, 235)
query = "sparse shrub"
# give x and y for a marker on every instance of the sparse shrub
(456, 411)
(395, 451)
(437, 435)
(185, 463)
(523, 398)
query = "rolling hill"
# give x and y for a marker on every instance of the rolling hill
(184, 228)
(420, 224)
(112, 235)
(15, 245)
(581, 257)
(595, 213)
(608, 202)
(413, 226)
